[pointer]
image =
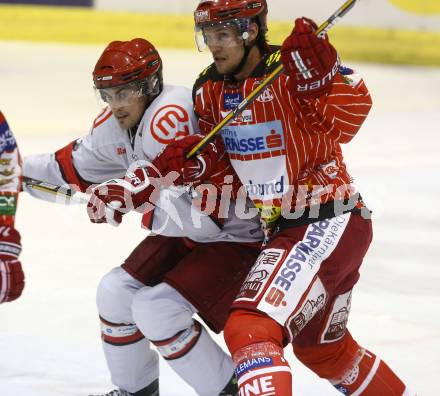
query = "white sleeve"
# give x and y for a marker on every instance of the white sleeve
(95, 161)
(90, 160)
(42, 167)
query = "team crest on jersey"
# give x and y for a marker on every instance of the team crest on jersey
(169, 122)
(266, 95)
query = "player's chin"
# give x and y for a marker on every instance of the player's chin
(125, 122)
(223, 67)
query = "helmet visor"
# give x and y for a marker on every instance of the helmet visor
(128, 94)
(221, 34)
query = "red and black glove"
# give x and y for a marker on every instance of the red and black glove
(11, 272)
(195, 170)
(310, 61)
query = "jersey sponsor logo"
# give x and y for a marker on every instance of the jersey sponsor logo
(313, 302)
(251, 364)
(232, 100)
(169, 122)
(259, 274)
(273, 58)
(336, 325)
(251, 142)
(244, 116)
(275, 297)
(299, 255)
(261, 189)
(298, 271)
(259, 386)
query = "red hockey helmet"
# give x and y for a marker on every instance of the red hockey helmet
(227, 12)
(223, 10)
(123, 62)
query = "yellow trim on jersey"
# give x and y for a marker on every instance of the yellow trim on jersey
(88, 26)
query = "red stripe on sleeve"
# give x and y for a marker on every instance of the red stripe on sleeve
(64, 158)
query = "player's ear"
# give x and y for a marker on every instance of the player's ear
(253, 32)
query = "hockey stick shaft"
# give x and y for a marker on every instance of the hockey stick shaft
(55, 190)
(322, 30)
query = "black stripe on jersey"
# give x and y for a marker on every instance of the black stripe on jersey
(269, 63)
(208, 74)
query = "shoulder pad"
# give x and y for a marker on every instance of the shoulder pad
(105, 114)
(210, 73)
(269, 62)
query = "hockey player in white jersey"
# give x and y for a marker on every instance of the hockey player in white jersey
(191, 267)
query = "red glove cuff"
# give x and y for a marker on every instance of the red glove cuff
(10, 246)
(11, 272)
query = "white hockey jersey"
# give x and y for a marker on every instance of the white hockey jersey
(108, 150)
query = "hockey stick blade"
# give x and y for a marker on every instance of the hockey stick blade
(323, 29)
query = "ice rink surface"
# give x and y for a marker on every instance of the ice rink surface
(49, 339)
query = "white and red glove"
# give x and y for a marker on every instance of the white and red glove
(11, 272)
(310, 61)
(138, 190)
(195, 170)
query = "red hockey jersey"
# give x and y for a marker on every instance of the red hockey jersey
(286, 151)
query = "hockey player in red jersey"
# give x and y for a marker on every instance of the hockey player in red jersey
(286, 149)
(11, 272)
(188, 268)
